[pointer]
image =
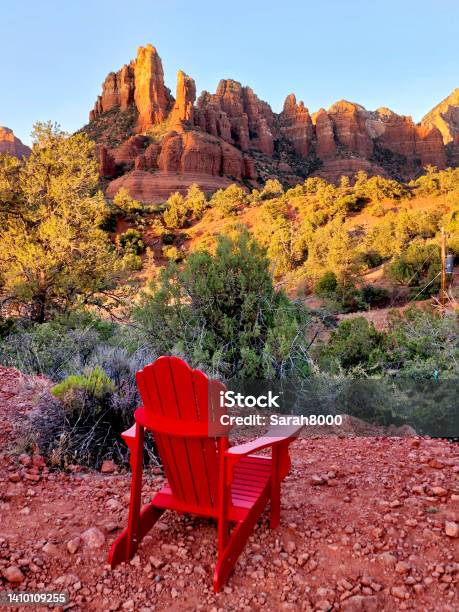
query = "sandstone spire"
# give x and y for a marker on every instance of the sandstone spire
(185, 98)
(152, 98)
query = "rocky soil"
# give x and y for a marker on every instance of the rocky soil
(368, 524)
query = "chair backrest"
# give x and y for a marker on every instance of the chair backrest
(177, 395)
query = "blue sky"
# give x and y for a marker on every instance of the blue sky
(402, 54)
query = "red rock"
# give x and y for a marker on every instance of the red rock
(361, 603)
(399, 592)
(209, 136)
(50, 549)
(73, 545)
(183, 110)
(445, 116)
(170, 157)
(93, 537)
(108, 467)
(117, 91)
(439, 491)
(349, 121)
(152, 99)
(126, 152)
(148, 187)
(235, 114)
(452, 529)
(333, 169)
(12, 145)
(107, 165)
(429, 146)
(296, 125)
(13, 574)
(326, 146)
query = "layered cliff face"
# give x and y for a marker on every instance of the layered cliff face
(12, 145)
(145, 135)
(445, 116)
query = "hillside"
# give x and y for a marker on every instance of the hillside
(154, 144)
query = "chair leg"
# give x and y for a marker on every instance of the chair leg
(125, 547)
(236, 542)
(275, 489)
(119, 551)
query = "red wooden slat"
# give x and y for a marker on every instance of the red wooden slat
(152, 403)
(209, 446)
(168, 395)
(188, 410)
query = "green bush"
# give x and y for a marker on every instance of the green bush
(417, 267)
(96, 383)
(377, 297)
(371, 259)
(82, 420)
(354, 343)
(327, 284)
(225, 202)
(131, 262)
(222, 312)
(131, 242)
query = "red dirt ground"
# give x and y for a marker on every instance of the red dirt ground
(362, 529)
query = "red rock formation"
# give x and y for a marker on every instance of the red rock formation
(183, 110)
(117, 91)
(152, 99)
(12, 145)
(211, 118)
(399, 134)
(235, 114)
(429, 146)
(107, 163)
(445, 116)
(296, 125)
(333, 169)
(129, 149)
(349, 122)
(223, 133)
(156, 187)
(326, 146)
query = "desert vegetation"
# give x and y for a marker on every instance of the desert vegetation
(92, 289)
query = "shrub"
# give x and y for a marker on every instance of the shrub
(355, 342)
(349, 203)
(96, 383)
(327, 284)
(126, 205)
(222, 312)
(131, 242)
(272, 189)
(175, 213)
(371, 259)
(422, 343)
(225, 202)
(172, 253)
(375, 296)
(417, 266)
(82, 420)
(131, 262)
(196, 201)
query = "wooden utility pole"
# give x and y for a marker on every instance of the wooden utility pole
(443, 269)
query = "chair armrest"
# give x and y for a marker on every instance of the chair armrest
(274, 436)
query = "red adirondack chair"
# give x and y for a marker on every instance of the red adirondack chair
(205, 476)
